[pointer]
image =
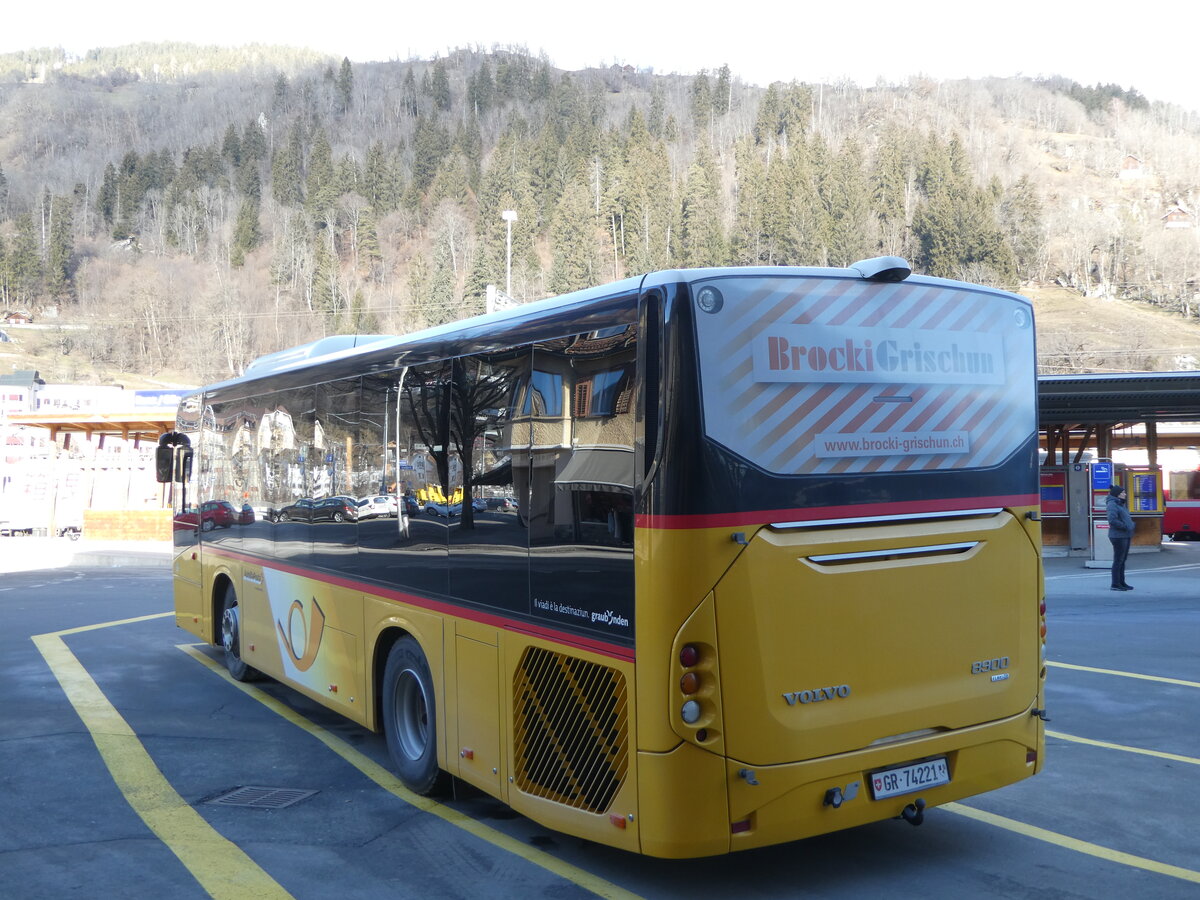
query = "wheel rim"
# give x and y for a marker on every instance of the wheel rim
(229, 630)
(412, 715)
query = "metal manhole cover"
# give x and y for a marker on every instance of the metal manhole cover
(262, 797)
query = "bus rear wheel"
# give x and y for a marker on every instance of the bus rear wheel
(231, 638)
(409, 719)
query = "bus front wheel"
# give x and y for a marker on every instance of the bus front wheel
(231, 638)
(409, 719)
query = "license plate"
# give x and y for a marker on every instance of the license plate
(910, 778)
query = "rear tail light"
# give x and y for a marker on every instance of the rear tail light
(689, 655)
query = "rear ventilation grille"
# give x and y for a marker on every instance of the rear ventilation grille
(572, 729)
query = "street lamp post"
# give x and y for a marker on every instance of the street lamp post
(509, 216)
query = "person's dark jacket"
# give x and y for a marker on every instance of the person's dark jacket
(1120, 522)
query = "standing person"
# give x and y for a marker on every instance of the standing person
(1120, 532)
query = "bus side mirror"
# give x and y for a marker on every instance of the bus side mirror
(172, 464)
(164, 464)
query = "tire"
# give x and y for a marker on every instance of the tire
(207, 525)
(338, 517)
(231, 638)
(410, 720)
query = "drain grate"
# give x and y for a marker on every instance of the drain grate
(262, 797)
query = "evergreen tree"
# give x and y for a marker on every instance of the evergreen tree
(795, 110)
(702, 101)
(287, 169)
(848, 206)
(572, 240)
(766, 124)
(24, 261)
(702, 242)
(798, 218)
(440, 305)
(3, 195)
(326, 291)
(348, 177)
(246, 231)
(430, 145)
(481, 90)
(280, 97)
(658, 110)
(379, 182)
(749, 244)
(724, 91)
(370, 256)
(469, 142)
(452, 182)
(956, 227)
(345, 85)
(254, 143)
(61, 247)
(321, 187)
(107, 199)
(893, 183)
(439, 86)
(1022, 222)
(231, 147)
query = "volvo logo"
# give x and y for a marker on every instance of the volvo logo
(816, 696)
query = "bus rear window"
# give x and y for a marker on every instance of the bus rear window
(806, 375)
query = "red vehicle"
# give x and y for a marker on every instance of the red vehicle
(1181, 512)
(217, 514)
(211, 514)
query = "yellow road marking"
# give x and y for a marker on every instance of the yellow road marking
(1160, 678)
(219, 865)
(1107, 746)
(1061, 840)
(391, 783)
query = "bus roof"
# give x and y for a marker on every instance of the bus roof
(344, 356)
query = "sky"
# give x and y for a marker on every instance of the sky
(863, 41)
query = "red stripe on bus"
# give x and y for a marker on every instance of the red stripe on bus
(438, 606)
(811, 514)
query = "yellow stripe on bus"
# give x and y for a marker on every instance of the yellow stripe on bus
(391, 783)
(1070, 843)
(219, 865)
(1122, 747)
(1160, 678)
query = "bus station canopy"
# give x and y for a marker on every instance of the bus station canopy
(1130, 407)
(135, 425)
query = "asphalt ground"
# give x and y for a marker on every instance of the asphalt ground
(116, 737)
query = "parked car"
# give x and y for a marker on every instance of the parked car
(379, 505)
(501, 503)
(335, 509)
(479, 504)
(444, 510)
(217, 514)
(411, 506)
(368, 509)
(246, 516)
(300, 511)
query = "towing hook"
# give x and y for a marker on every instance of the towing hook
(1040, 713)
(914, 813)
(834, 798)
(748, 775)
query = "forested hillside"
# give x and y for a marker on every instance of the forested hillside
(196, 207)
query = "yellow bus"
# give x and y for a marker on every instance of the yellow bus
(740, 555)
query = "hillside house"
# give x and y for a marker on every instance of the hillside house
(1131, 167)
(1178, 217)
(17, 318)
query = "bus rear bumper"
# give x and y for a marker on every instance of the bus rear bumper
(798, 800)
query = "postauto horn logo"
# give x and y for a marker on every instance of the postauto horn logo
(303, 632)
(873, 355)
